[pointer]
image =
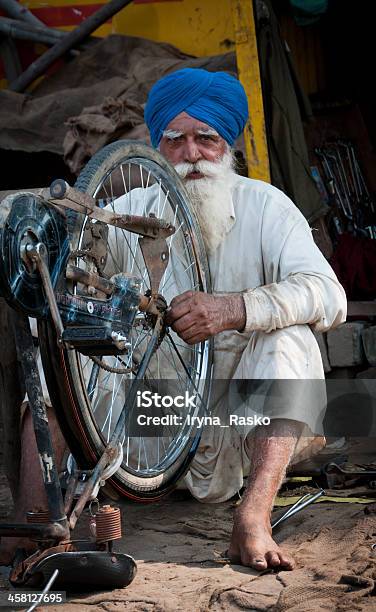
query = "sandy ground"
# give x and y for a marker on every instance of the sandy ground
(177, 544)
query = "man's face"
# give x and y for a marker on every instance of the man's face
(188, 140)
(204, 162)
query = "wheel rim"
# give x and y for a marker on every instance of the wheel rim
(104, 392)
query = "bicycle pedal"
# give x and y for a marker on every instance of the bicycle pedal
(85, 570)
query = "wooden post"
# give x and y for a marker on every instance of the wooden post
(249, 75)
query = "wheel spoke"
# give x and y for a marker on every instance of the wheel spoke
(184, 366)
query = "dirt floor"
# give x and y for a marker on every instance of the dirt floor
(177, 544)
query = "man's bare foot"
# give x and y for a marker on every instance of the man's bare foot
(252, 545)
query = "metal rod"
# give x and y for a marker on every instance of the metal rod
(69, 493)
(25, 348)
(25, 31)
(88, 26)
(39, 531)
(19, 11)
(45, 590)
(297, 503)
(90, 279)
(48, 36)
(66, 196)
(302, 503)
(37, 253)
(78, 275)
(106, 458)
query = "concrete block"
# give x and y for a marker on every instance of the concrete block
(369, 344)
(345, 347)
(321, 341)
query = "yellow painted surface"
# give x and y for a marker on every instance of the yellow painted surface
(249, 75)
(198, 27)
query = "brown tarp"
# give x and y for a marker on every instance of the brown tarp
(94, 99)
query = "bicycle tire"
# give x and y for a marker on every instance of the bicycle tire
(61, 369)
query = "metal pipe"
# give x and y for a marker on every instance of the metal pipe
(19, 11)
(25, 31)
(39, 531)
(47, 36)
(71, 40)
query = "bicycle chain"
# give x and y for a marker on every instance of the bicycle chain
(111, 369)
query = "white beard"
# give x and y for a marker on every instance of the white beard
(211, 197)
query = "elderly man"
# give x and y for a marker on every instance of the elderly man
(272, 286)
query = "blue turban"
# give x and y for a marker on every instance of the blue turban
(215, 98)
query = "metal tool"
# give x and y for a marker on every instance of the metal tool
(353, 208)
(302, 503)
(45, 591)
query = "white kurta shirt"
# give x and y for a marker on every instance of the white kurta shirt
(269, 255)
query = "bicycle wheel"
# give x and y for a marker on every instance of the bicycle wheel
(131, 178)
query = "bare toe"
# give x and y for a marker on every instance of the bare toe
(287, 562)
(258, 563)
(273, 558)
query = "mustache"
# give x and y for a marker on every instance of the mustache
(210, 169)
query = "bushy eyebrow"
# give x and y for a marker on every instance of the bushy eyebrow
(207, 132)
(172, 134)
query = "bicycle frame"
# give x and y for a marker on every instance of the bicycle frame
(122, 299)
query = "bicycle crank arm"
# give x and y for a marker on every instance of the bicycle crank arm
(63, 195)
(36, 255)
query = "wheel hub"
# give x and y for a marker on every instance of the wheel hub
(30, 221)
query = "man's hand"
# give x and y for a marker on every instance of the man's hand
(196, 316)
